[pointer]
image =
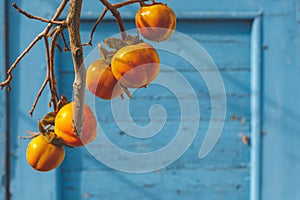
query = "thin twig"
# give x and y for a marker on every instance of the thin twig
(29, 47)
(117, 16)
(67, 48)
(36, 17)
(54, 93)
(59, 47)
(95, 26)
(47, 78)
(117, 5)
(9, 71)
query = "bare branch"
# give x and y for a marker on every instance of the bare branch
(46, 79)
(65, 42)
(95, 26)
(40, 36)
(117, 5)
(73, 21)
(36, 17)
(9, 71)
(54, 93)
(118, 17)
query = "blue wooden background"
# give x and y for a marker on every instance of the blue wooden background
(255, 46)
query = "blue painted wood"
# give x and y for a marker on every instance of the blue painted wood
(224, 28)
(298, 10)
(3, 104)
(230, 48)
(256, 64)
(26, 183)
(166, 184)
(281, 141)
(217, 9)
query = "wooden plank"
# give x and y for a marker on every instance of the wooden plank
(280, 143)
(196, 8)
(234, 40)
(3, 103)
(229, 152)
(237, 86)
(165, 184)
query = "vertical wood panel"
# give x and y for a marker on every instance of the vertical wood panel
(25, 182)
(297, 10)
(3, 103)
(281, 107)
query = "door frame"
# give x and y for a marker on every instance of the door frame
(256, 90)
(4, 136)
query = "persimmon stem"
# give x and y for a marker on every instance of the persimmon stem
(127, 92)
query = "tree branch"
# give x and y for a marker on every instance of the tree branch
(95, 26)
(36, 17)
(64, 41)
(47, 78)
(54, 93)
(118, 17)
(73, 21)
(117, 5)
(40, 36)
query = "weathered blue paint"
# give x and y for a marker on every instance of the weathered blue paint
(280, 125)
(230, 48)
(3, 103)
(298, 10)
(25, 183)
(230, 32)
(256, 64)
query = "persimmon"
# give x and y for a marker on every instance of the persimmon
(63, 127)
(43, 155)
(101, 82)
(136, 66)
(156, 22)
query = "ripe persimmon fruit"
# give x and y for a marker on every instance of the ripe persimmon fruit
(101, 82)
(43, 155)
(63, 127)
(156, 22)
(136, 66)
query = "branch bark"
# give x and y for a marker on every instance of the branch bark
(73, 21)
